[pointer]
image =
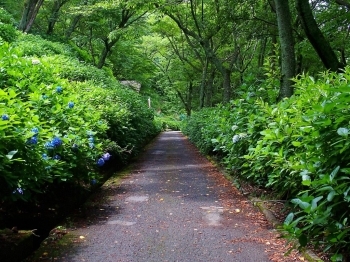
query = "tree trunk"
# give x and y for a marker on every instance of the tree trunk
(104, 54)
(189, 99)
(73, 25)
(31, 9)
(227, 85)
(262, 51)
(225, 72)
(202, 94)
(209, 89)
(54, 15)
(106, 51)
(287, 48)
(316, 38)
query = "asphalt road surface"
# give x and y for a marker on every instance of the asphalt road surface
(174, 205)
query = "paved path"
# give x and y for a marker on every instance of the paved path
(173, 206)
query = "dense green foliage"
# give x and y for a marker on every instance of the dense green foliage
(187, 56)
(299, 148)
(61, 119)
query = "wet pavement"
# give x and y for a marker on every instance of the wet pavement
(170, 207)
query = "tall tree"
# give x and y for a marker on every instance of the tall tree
(316, 37)
(30, 11)
(287, 48)
(202, 22)
(54, 14)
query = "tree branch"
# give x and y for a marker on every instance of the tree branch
(343, 3)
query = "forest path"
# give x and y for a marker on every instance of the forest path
(174, 205)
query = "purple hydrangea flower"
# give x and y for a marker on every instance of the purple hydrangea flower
(5, 117)
(59, 89)
(100, 162)
(71, 104)
(106, 156)
(33, 140)
(56, 141)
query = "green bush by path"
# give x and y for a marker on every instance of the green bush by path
(7, 32)
(61, 121)
(299, 148)
(168, 123)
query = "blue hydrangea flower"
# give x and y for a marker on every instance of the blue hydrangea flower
(18, 190)
(343, 131)
(91, 139)
(70, 104)
(100, 162)
(57, 157)
(91, 145)
(106, 156)
(59, 89)
(49, 145)
(235, 139)
(234, 127)
(93, 181)
(89, 133)
(35, 130)
(5, 117)
(45, 157)
(56, 141)
(33, 140)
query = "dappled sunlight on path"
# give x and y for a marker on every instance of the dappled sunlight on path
(173, 206)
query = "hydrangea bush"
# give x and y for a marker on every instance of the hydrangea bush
(55, 129)
(298, 148)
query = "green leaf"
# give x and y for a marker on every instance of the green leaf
(301, 203)
(306, 180)
(334, 172)
(314, 202)
(337, 258)
(331, 196)
(296, 143)
(11, 154)
(289, 219)
(303, 240)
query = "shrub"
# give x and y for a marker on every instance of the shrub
(43, 129)
(7, 32)
(299, 148)
(55, 130)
